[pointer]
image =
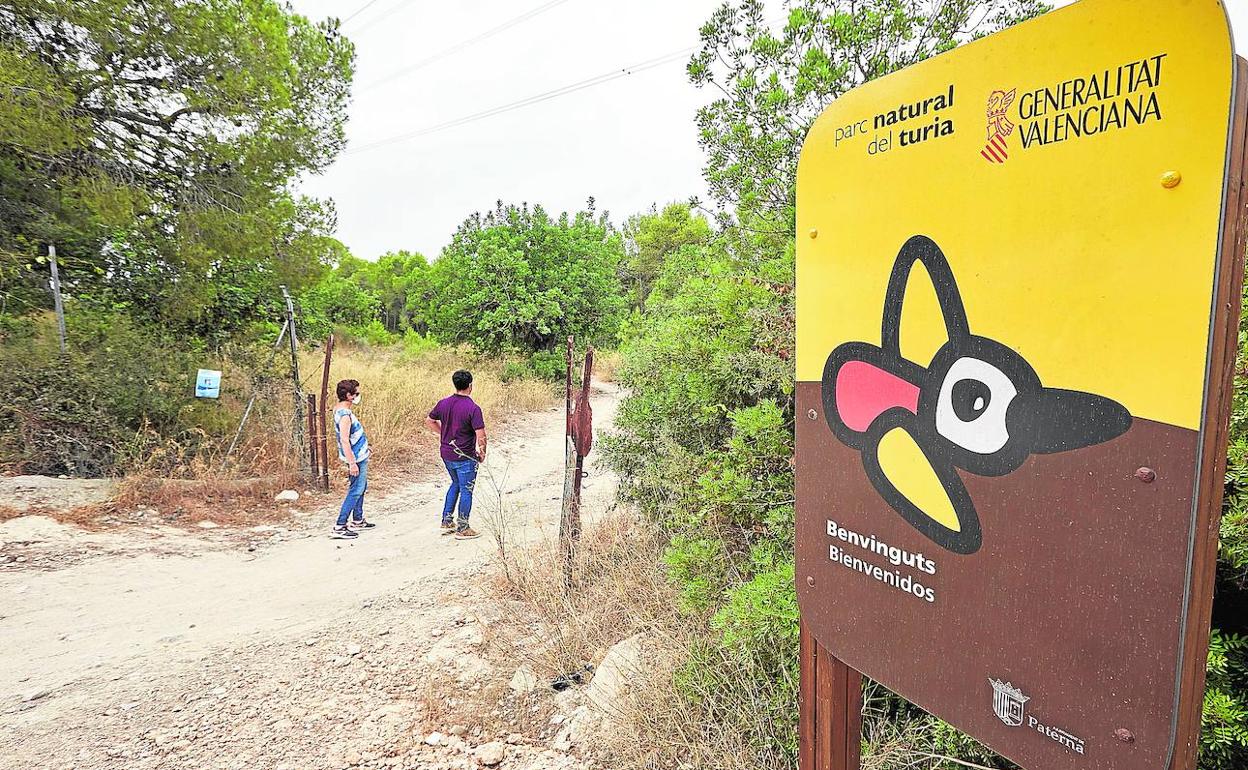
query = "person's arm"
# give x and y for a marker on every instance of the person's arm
(344, 439)
(478, 425)
(433, 421)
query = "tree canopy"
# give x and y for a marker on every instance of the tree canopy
(516, 279)
(154, 142)
(654, 238)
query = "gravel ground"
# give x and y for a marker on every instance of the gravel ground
(159, 648)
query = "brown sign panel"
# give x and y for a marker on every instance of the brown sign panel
(1018, 297)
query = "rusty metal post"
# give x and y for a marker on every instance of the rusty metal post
(314, 455)
(583, 436)
(329, 354)
(580, 438)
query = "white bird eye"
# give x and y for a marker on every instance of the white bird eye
(971, 408)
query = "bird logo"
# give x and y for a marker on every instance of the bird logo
(978, 406)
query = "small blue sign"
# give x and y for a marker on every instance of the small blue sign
(208, 384)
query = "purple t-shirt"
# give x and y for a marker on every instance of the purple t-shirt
(461, 418)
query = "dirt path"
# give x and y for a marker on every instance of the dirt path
(105, 653)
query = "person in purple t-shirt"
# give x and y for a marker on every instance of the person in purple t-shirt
(459, 423)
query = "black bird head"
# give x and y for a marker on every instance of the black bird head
(978, 406)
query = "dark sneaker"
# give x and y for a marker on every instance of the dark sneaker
(448, 527)
(362, 524)
(343, 533)
(468, 533)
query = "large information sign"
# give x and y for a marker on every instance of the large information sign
(1017, 305)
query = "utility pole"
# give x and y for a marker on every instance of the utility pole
(56, 296)
(297, 393)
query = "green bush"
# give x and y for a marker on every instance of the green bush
(1224, 737)
(373, 333)
(703, 445)
(516, 280)
(78, 414)
(1224, 734)
(57, 423)
(416, 345)
(551, 365)
(122, 390)
(545, 365)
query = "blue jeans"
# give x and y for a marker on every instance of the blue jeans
(353, 504)
(463, 479)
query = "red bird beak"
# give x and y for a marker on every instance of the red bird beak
(865, 391)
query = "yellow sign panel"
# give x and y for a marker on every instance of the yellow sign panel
(1077, 126)
(1008, 258)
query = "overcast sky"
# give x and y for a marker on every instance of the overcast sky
(629, 142)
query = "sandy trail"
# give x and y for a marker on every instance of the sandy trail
(116, 618)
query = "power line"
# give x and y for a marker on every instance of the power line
(571, 88)
(359, 10)
(512, 22)
(605, 77)
(378, 19)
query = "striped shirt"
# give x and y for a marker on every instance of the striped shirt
(359, 442)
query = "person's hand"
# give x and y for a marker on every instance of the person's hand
(354, 469)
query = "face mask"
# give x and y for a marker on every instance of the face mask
(355, 399)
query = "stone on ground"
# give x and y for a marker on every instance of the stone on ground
(524, 680)
(491, 754)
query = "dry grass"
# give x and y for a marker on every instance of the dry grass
(85, 516)
(606, 365)
(227, 502)
(188, 480)
(618, 591)
(691, 703)
(667, 719)
(399, 390)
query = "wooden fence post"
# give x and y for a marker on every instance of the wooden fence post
(569, 469)
(314, 455)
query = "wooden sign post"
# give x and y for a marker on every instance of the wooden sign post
(830, 712)
(1019, 277)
